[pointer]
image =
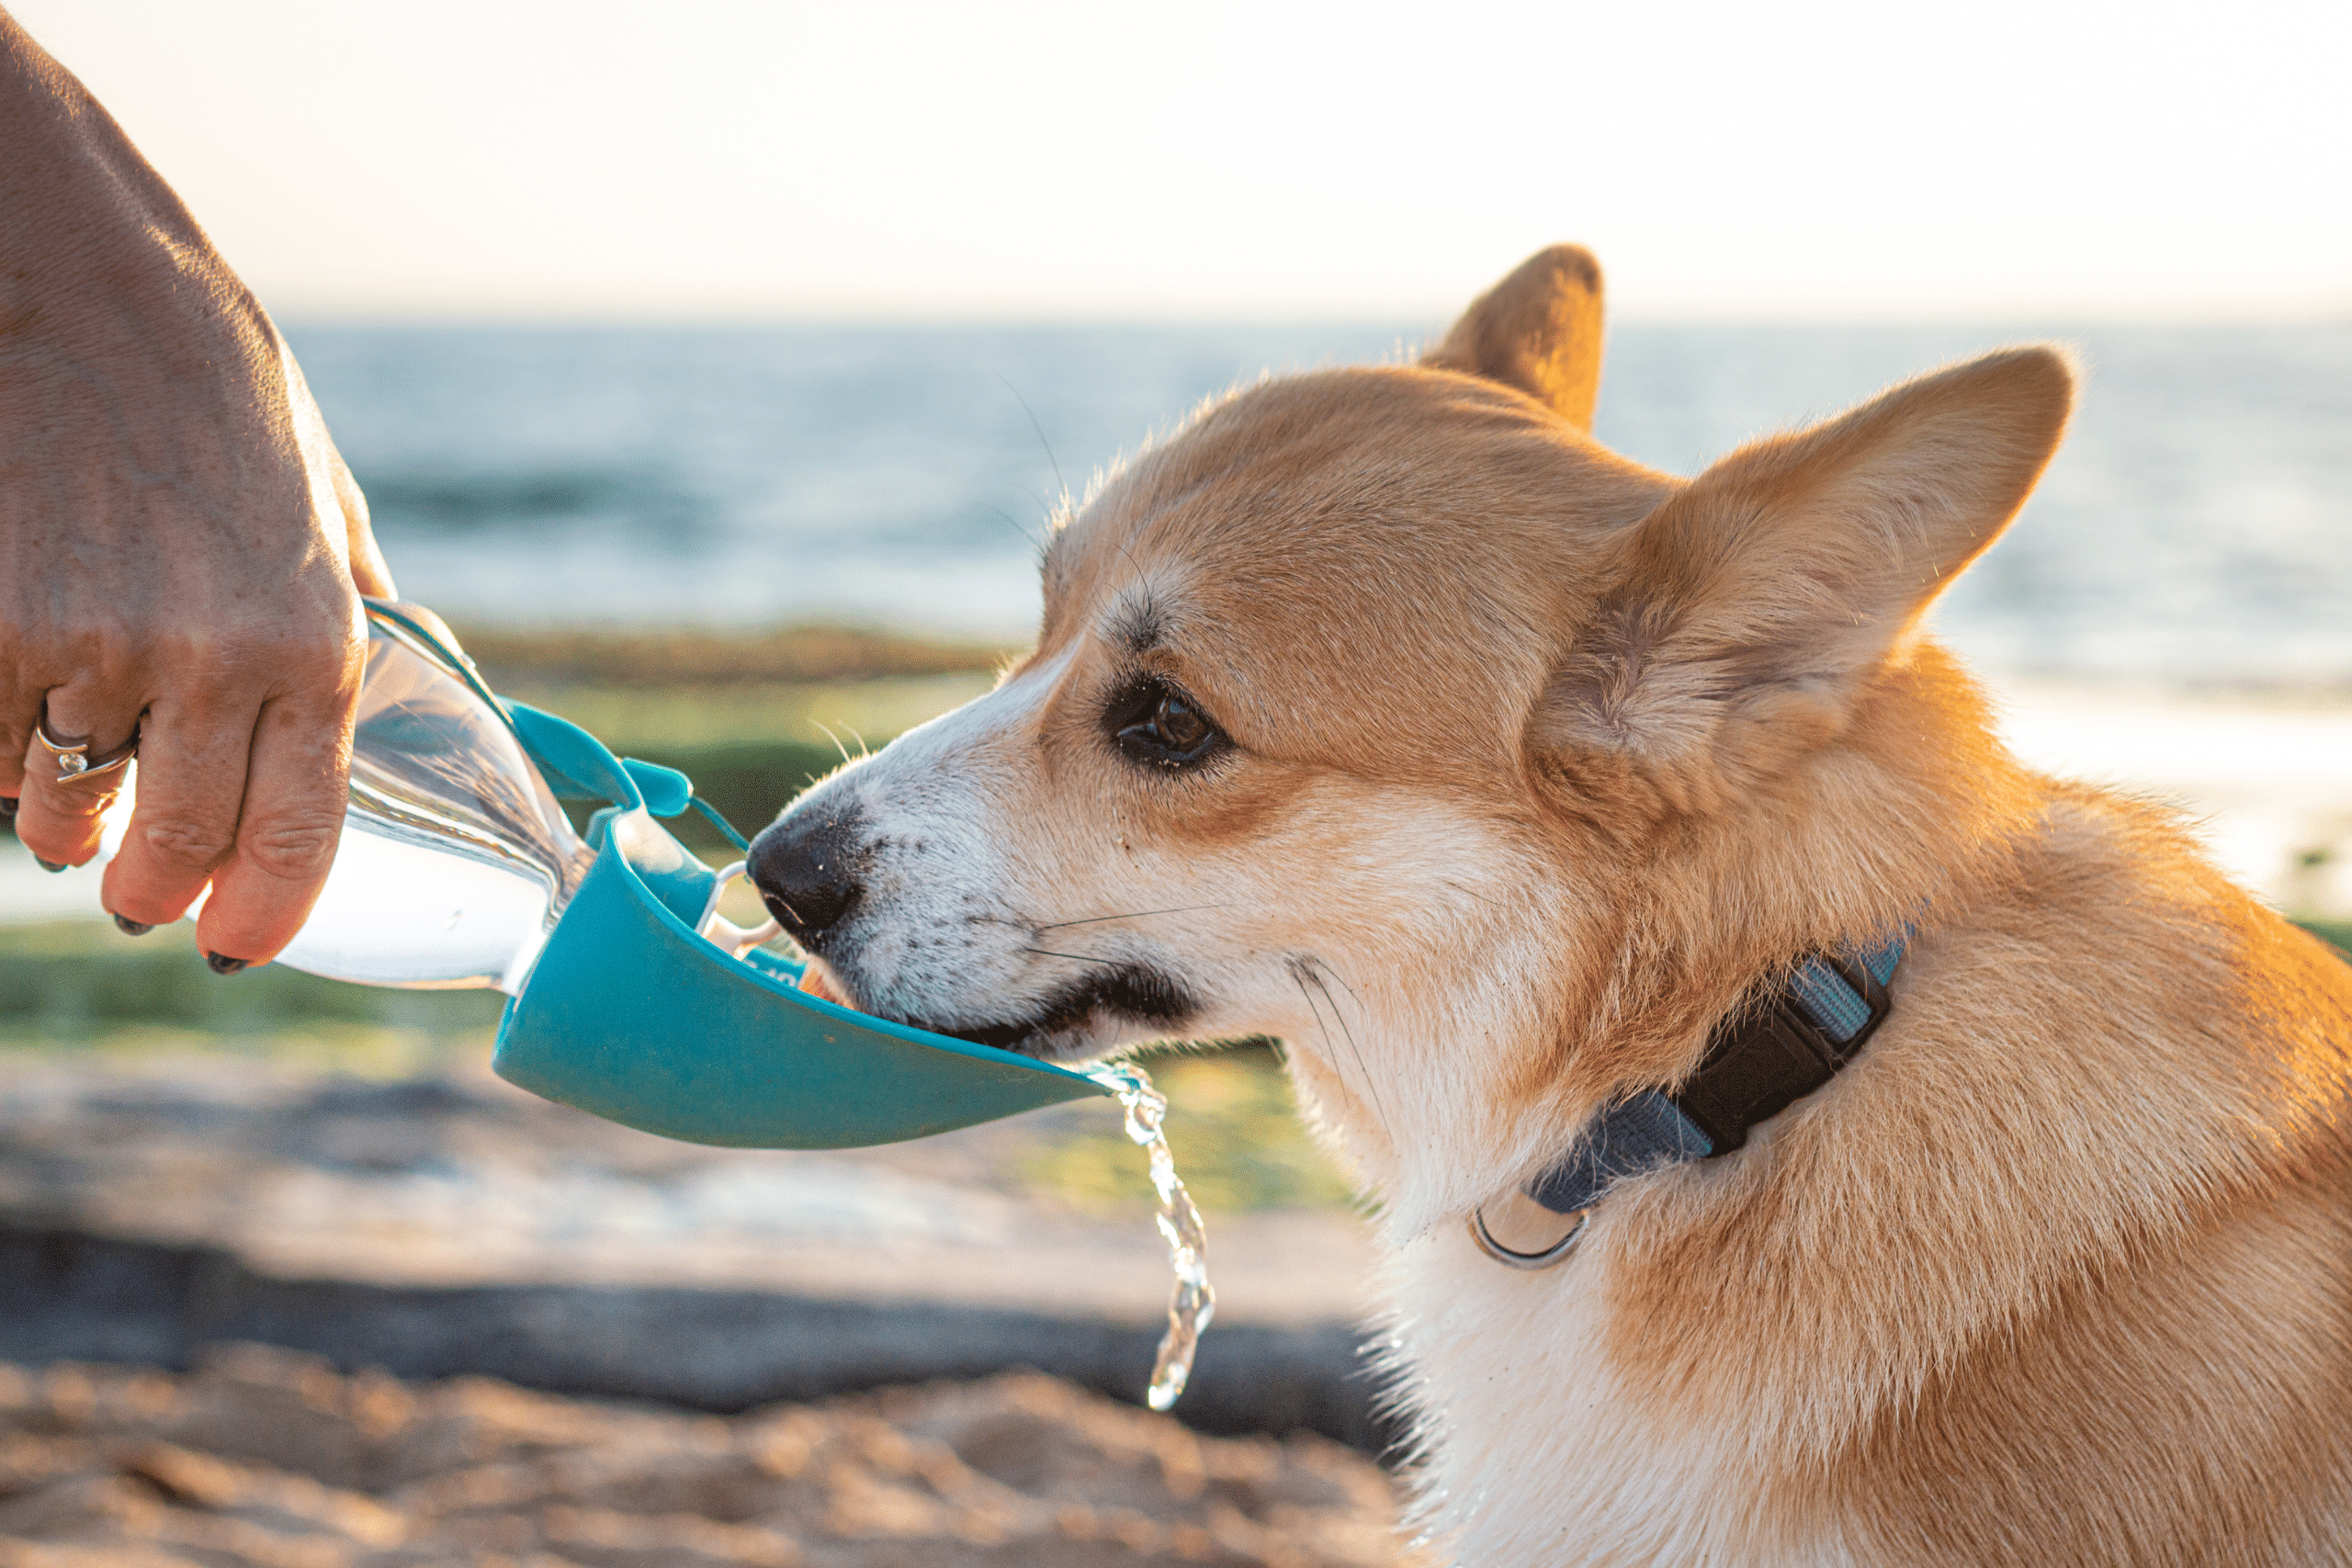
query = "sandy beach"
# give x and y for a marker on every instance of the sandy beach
(262, 1459)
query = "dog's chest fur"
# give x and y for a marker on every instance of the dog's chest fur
(1537, 1451)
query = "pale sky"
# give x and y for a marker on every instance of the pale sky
(2048, 161)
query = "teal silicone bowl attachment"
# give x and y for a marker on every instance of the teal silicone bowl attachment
(630, 1015)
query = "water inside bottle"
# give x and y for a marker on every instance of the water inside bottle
(456, 859)
(1192, 1301)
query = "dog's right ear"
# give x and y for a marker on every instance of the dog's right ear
(1754, 605)
(1538, 330)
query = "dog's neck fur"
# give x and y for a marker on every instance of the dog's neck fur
(1852, 844)
(1637, 973)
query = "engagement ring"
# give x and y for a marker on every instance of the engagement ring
(73, 763)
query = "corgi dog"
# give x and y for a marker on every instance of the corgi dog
(1801, 1134)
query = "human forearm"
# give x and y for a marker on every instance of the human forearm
(98, 254)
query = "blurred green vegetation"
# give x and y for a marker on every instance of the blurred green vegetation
(85, 986)
(697, 657)
(1231, 1126)
(753, 717)
(747, 780)
(2338, 933)
(833, 713)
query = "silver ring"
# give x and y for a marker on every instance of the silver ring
(1553, 1253)
(70, 760)
(74, 764)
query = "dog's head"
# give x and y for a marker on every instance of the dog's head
(1384, 711)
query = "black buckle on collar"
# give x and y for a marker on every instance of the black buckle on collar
(1764, 1059)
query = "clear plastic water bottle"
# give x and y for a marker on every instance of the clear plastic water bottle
(456, 859)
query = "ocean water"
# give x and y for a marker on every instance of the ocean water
(2198, 525)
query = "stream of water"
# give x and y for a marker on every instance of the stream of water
(1192, 1301)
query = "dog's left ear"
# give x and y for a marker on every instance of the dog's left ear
(1538, 330)
(1748, 610)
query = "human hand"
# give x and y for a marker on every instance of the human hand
(182, 549)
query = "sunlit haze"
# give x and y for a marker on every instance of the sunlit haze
(1041, 161)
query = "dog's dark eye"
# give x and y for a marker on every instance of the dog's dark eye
(1154, 722)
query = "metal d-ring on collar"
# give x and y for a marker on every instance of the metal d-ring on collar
(1509, 1258)
(73, 763)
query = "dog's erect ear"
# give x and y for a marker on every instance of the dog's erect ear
(1746, 611)
(1538, 330)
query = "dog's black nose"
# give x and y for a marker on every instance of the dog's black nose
(805, 868)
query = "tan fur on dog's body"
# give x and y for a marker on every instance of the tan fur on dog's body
(1541, 760)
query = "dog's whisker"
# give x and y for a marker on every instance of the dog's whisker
(1300, 981)
(1073, 957)
(1026, 537)
(1323, 967)
(1060, 483)
(1043, 504)
(1131, 914)
(1301, 971)
(1371, 1086)
(1471, 893)
(832, 737)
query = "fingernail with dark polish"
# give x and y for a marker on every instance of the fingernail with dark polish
(129, 927)
(8, 806)
(49, 865)
(224, 965)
